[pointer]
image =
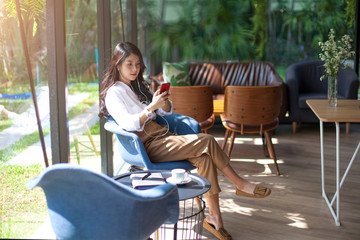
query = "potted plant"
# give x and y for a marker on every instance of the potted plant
(334, 54)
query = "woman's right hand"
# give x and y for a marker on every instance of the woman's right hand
(159, 100)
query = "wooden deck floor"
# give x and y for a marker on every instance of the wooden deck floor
(295, 209)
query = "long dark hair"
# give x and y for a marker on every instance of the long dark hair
(112, 75)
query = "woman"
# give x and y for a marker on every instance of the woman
(125, 96)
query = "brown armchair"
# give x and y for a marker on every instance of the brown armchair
(195, 102)
(219, 75)
(249, 110)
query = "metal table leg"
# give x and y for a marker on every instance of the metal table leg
(339, 184)
(335, 215)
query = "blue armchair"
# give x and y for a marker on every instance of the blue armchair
(132, 150)
(86, 205)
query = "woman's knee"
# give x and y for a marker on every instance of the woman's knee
(204, 161)
(208, 138)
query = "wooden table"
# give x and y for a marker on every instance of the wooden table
(346, 111)
(218, 107)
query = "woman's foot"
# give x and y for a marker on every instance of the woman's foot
(257, 191)
(247, 187)
(213, 221)
(218, 232)
(240, 183)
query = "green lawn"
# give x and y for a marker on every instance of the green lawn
(19, 205)
(5, 123)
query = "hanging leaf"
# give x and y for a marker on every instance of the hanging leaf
(30, 10)
(34, 29)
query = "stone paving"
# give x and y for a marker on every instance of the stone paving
(26, 123)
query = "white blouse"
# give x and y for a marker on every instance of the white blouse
(125, 107)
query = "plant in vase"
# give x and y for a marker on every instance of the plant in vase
(334, 54)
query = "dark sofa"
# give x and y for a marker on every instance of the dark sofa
(303, 82)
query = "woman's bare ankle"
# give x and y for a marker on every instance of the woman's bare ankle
(216, 221)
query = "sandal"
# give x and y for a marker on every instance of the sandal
(259, 192)
(221, 234)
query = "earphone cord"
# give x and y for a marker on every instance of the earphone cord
(167, 124)
(147, 103)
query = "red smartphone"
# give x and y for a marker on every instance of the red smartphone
(164, 87)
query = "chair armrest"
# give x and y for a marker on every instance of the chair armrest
(111, 126)
(131, 149)
(348, 83)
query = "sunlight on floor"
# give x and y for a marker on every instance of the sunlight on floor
(259, 161)
(298, 220)
(228, 205)
(255, 141)
(264, 162)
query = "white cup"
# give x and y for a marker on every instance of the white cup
(179, 174)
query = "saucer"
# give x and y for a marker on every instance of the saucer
(184, 181)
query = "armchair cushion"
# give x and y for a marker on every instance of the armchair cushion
(177, 73)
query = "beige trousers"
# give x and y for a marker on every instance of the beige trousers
(201, 150)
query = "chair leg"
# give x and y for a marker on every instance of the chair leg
(77, 150)
(347, 128)
(92, 140)
(294, 127)
(231, 144)
(266, 152)
(225, 139)
(271, 150)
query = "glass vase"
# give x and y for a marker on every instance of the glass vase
(332, 91)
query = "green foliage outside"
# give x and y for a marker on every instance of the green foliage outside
(281, 32)
(281, 70)
(205, 30)
(12, 67)
(278, 31)
(80, 41)
(91, 88)
(81, 33)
